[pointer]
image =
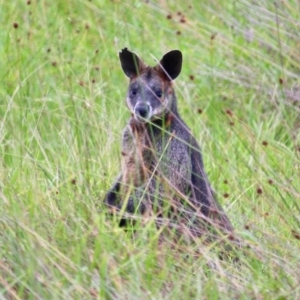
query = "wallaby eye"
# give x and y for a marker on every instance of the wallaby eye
(158, 93)
(133, 92)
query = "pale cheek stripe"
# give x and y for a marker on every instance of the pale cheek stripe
(129, 104)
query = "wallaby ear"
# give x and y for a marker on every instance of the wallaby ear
(171, 63)
(131, 63)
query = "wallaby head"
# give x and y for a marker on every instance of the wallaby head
(150, 94)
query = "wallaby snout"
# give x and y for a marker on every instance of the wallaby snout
(142, 112)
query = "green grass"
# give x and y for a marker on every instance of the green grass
(62, 110)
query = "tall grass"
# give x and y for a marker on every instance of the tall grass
(62, 111)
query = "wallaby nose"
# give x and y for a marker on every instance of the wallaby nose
(142, 110)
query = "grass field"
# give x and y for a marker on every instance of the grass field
(62, 110)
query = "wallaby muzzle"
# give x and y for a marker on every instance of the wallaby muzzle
(142, 112)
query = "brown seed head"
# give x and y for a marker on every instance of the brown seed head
(295, 234)
(229, 112)
(259, 190)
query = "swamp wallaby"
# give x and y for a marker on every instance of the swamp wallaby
(162, 168)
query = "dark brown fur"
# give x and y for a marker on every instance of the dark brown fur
(135, 146)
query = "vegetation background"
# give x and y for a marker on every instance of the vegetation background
(62, 110)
